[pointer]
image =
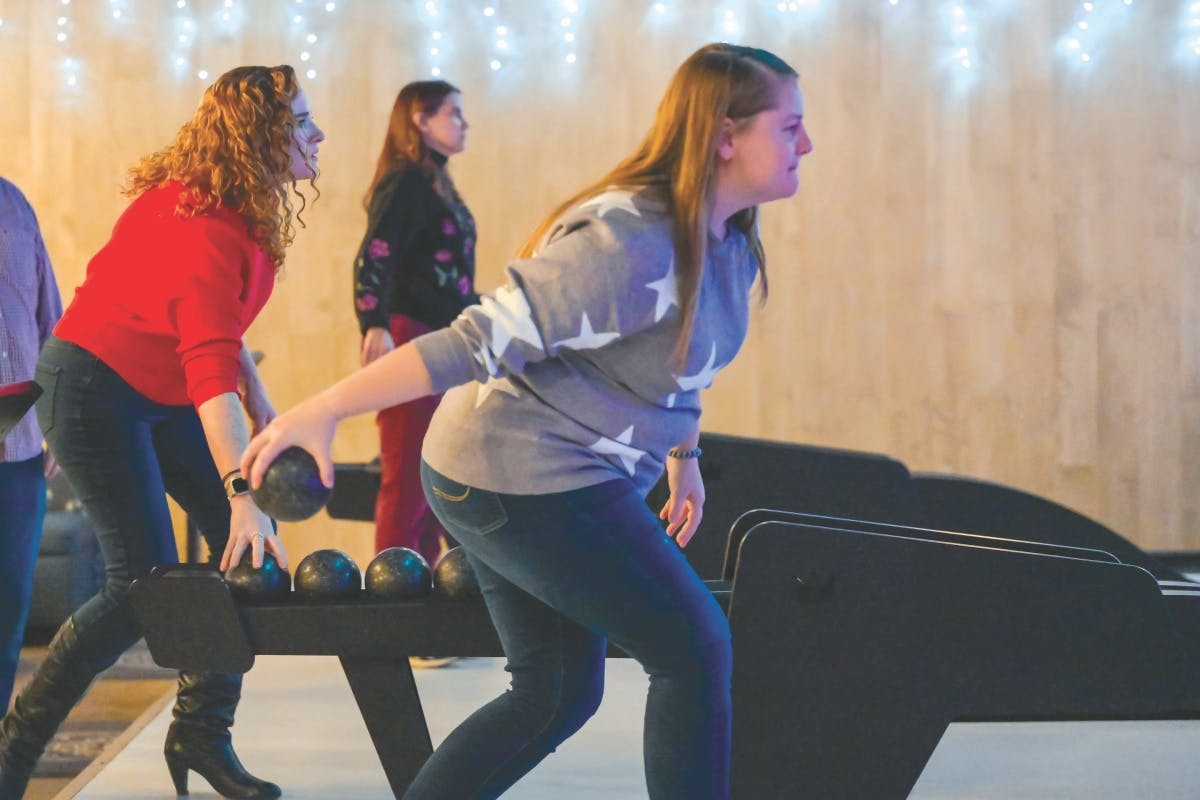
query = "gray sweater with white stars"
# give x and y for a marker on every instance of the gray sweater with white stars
(562, 378)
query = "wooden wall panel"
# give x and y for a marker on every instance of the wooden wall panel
(997, 279)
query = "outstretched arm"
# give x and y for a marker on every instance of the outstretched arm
(397, 378)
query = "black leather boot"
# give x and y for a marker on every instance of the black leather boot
(199, 738)
(40, 708)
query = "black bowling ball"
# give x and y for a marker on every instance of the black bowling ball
(453, 576)
(291, 488)
(398, 573)
(327, 575)
(268, 584)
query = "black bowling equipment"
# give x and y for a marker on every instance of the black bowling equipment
(372, 639)
(291, 488)
(15, 401)
(453, 576)
(741, 474)
(880, 636)
(267, 584)
(398, 573)
(327, 575)
(355, 487)
(857, 641)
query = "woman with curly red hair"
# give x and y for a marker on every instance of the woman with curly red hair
(145, 383)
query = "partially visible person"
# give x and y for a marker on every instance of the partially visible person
(147, 390)
(29, 308)
(414, 273)
(575, 385)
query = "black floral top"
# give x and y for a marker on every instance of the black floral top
(418, 256)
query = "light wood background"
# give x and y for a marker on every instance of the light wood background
(996, 279)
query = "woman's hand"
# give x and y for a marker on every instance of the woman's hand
(685, 506)
(376, 342)
(309, 425)
(250, 528)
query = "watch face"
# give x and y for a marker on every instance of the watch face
(238, 486)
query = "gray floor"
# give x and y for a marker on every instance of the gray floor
(299, 726)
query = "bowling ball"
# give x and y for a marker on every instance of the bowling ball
(268, 584)
(453, 576)
(398, 573)
(291, 488)
(328, 575)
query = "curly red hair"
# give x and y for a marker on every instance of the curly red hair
(235, 152)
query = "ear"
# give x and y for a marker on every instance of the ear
(420, 121)
(725, 140)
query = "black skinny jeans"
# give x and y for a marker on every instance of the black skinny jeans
(122, 455)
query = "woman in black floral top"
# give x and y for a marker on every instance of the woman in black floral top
(414, 273)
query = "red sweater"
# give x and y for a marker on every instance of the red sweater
(166, 301)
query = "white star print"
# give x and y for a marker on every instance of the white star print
(667, 291)
(620, 448)
(621, 199)
(511, 319)
(484, 356)
(495, 385)
(587, 338)
(671, 400)
(702, 379)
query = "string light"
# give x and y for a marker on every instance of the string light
(117, 10)
(570, 8)
(69, 66)
(438, 44)
(501, 46)
(563, 30)
(185, 34)
(304, 20)
(961, 24)
(1190, 25)
(794, 7)
(1094, 22)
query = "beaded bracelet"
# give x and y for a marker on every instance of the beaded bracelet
(675, 452)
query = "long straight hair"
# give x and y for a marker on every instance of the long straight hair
(679, 154)
(404, 143)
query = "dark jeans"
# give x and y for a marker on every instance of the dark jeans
(561, 574)
(22, 509)
(122, 454)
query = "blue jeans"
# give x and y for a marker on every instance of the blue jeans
(122, 454)
(22, 510)
(561, 574)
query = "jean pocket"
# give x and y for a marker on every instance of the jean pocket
(47, 377)
(463, 508)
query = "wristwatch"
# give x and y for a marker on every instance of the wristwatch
(235, 484)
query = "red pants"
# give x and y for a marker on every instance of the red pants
(402, 516)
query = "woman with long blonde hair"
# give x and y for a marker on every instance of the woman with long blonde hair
(576, 384)
(146, 389)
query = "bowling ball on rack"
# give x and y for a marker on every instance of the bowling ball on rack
(328, 575)
(398, 573)
(453, 576)
(270, 583)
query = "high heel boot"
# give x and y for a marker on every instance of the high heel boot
(199, 739)
(57, 685)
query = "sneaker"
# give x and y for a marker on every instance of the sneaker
(430, 662)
